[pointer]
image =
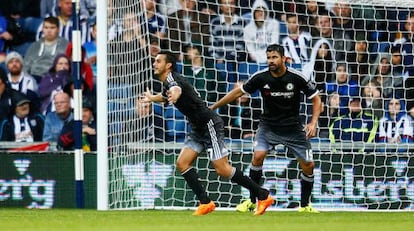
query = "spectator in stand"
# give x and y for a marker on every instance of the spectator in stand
(5, 96)
(54, 81)
(155, 47)
(329, 114)
(188, 26)
(261, 31)
(359, 60)
(124, 69)
(321, 69)
(55, 120)
(155, 22)
(381, 72)
(372, 101)
(354, 126)
(85, 68)
(297, 43)
(88, 94)
(278, 9)
(227, 46)
(343, 22)
(134, 47)
(25, 124)
(321, 66)
(313, 10)
(168, 7)
(48, 8)
(4, 34)
(90, 49)
(204, 78)
(208, 7)
(88, 9)
(40, 55)
(66, 139)
(66, 25)
(114, 21)
(344, 86)
(19, 80)
(147, 127)
(51, 8)
(368, 18)
(339, 41)
(407, 44)
(242, 117)
(23, 19)
(397, 67)
(396, 126)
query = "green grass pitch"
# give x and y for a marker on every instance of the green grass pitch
(85, 220)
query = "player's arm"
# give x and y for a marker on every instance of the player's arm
(174, 94)
(310, 128)
(229, 97)
(149, 97)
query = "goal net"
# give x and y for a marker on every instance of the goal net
(359, 53)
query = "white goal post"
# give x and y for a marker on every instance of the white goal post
(137, 149)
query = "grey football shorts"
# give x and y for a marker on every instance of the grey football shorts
(294, 139)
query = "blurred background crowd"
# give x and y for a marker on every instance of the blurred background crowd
(361, 58)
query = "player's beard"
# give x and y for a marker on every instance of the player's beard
(274, 68)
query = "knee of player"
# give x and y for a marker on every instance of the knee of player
(308, 167)
(223, 170)
(259, 157)
(182, 166)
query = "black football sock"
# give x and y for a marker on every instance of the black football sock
(306, 183)
(256, 173)
(245, 181)
(191, 177)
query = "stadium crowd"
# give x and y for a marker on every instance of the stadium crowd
(361, 58)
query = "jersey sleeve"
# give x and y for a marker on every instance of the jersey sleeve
(251, 85)
(171, 82)
(309, 88)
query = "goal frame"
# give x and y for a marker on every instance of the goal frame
(102, 111)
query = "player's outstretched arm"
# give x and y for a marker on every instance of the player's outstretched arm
(229, 97)
(149, 97)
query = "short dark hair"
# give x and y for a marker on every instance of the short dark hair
(169, 58)
(52, 20)
(276, 47)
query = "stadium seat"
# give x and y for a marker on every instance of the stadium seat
(171, 112)
(246, 69)
(158, 109)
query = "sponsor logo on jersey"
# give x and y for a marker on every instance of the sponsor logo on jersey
(287, 95)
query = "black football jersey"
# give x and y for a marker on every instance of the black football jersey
(281, 95)
(189, 103)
